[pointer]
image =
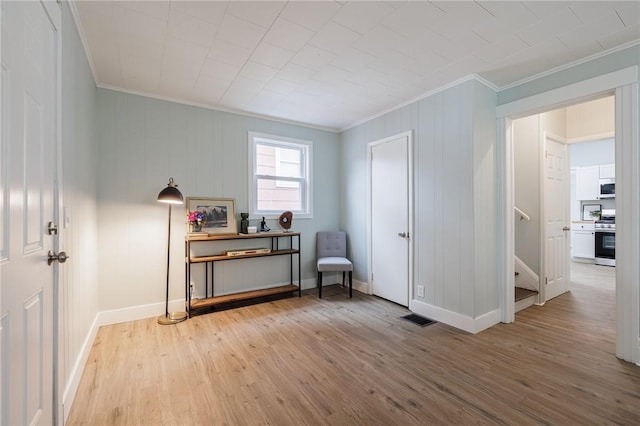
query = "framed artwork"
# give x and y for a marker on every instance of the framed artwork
(219, 214)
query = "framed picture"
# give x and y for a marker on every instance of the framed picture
(219, 214)
(591, 211)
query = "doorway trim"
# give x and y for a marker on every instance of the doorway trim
(624, 83)
(409, 135)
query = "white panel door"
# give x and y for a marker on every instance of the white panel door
(28, 138)
(390, 220)
(556, 218)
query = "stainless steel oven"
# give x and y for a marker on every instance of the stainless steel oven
(605, 230)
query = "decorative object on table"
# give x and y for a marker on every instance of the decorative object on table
(248, 252)
(263, 226)
(195, 218)
(285, 220)
(252, 229)
(219, 214)
(170, 195)
(591, 211)
(244, 223)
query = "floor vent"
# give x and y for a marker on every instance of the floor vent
(417, 319)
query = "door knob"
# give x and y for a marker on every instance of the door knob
(60, 257)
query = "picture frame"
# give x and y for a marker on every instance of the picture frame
(591, 211)
(219, 214)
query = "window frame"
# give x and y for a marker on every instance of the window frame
(306, 183)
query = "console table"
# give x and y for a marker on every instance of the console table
(210, 301)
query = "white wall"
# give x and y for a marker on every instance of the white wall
(145, 141)
(79, 276)
(454, 177)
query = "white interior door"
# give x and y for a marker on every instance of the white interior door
(390, 221)
(28, 141)
(556, 218)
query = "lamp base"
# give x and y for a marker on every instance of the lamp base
(172, 318)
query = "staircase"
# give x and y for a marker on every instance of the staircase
(524, 297)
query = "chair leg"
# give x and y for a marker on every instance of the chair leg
(343, 282)
(319, 285)
(350, 284)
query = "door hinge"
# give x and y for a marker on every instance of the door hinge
(546, 280)
(372, 276)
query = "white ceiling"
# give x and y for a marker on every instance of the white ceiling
(332, 64)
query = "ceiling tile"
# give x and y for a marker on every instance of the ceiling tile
(311, 15)
(629, 13)
(259, 72)
(561, 21)
(608, 24)
(194, 30)
(138, 25)
(273, 56)
(229, 52)
(288, 35)
(184, 51)
(152, 9)
(240, 32)
(362, 17)
(210, 11)
(312, 57)
(261, 13)
(220, 70)
(209, 89)
(628, 35)
(333, 63)
(334, 38)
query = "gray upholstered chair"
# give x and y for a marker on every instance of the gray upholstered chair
(331, 255)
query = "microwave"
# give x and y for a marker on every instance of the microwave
(607, 188)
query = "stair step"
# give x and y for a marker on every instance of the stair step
(523, 293)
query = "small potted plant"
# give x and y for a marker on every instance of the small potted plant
(195, 219)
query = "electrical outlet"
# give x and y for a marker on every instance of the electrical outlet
(420, 291)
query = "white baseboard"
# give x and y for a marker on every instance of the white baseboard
(524, 303)
(70, 390)
(526, 277)
(457, 320)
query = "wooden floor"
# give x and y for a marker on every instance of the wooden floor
(337, 361)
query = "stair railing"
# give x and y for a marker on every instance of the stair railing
(523, 215)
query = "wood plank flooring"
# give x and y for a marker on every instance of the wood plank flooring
(336, 361)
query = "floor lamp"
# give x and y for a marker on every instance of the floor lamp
(170, 195)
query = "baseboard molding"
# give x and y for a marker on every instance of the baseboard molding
(457, 320)
(526, 278)
(71, 389)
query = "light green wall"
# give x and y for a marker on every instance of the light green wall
(603, 65)
(79, 276)
(454, 180)
(145, 141)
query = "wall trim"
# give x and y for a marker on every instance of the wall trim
(569, 94)
(455, 319)
(69, 394)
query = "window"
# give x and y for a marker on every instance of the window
(279, 176)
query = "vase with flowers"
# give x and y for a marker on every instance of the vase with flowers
(195, 219)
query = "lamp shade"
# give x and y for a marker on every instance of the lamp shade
(171, 194)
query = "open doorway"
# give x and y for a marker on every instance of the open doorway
(624, 84)
(561, 158)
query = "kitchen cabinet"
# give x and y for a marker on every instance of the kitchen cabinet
(583, 242)
(608, 171)
(587, 183)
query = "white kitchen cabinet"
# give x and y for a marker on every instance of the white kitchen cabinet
(608, 171)
(587, 184)
(583, 240)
